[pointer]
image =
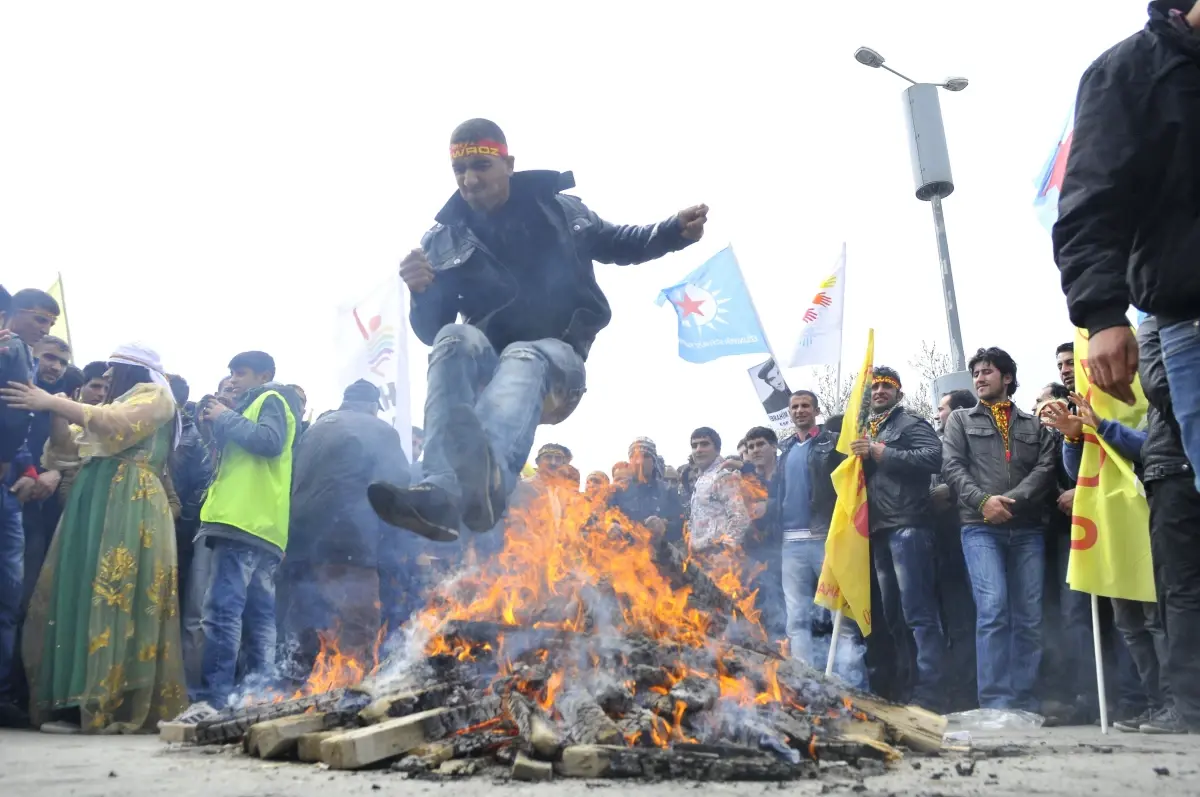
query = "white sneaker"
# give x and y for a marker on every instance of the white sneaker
(60, 728)
(196, 713)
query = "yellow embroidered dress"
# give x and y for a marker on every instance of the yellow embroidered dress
(102, 634)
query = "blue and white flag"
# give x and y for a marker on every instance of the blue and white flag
(716, 315)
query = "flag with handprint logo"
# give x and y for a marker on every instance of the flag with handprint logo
(819, 338)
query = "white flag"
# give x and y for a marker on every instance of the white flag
(372, 344)
(819, 341)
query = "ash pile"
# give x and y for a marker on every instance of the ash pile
(585, 648)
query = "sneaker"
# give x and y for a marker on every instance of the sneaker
(61, 728)
(422, 509)
(1134, 724)
(1165, 721)
(196, 713)
(469, 454)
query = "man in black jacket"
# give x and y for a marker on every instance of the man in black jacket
(332, 579)
(1174, 523)
(1000, 463)
(900, 454)
(1129, 214)
(512, 256)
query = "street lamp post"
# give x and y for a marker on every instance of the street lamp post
(931, 173)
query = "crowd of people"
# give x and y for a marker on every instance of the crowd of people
(144, 537)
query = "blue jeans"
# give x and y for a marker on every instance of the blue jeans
(1181, 358)
(905, 560)
(12, 573)
(241, 594)
(1007, 567)
(802, 562)
(540, 381)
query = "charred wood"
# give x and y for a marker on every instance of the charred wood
(405, 703)
(231, 727)
(586, 721)
(532, 725)
(698, 694)
(597, 761)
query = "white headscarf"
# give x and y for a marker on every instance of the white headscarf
(146, 357)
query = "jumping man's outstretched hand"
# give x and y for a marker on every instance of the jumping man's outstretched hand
(691, 222)
(416, 271)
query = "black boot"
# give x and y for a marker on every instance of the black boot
(422, 509)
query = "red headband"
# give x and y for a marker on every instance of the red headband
(484, 146)
(887, 380)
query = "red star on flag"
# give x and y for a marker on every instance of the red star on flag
(1060, 164)
(689, 306)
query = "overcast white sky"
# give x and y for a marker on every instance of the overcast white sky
(215, 177)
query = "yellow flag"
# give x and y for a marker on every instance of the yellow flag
(61, 328)
(1110, 542)
(846, 574)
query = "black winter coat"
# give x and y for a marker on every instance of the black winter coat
(332, 521)
(898, 484)
(1129, 210)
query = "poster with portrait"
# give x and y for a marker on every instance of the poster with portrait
(773, 393)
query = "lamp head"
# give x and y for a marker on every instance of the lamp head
(868, 57)
(955, 84)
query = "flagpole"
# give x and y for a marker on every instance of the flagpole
(837, 632)
(838, 391)
(1099, 663)
(750, 296)
(62, 291)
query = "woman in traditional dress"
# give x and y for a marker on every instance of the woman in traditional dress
(102, 637)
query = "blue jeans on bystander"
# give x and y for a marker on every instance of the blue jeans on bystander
(1181, 358)
(240, 598)
(905, 561)
(1007, 568)
(802, 561)
(12, 573)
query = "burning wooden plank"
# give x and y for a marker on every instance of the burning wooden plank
(404, 703)
(532, 725)
(278, 738)
(586, 721)
(363, 747)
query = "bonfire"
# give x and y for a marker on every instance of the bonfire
(586, 645)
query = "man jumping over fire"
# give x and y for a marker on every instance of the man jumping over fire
(513, 257)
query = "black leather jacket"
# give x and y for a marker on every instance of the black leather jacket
(898, 484)
(1162, 453)
(974, 466)
(823, 459)
(470, 280)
